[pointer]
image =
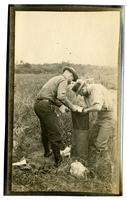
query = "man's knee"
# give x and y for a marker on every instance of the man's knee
(101, 145)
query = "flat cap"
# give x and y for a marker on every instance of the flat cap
(72, 70)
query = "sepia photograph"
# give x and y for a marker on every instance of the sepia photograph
(64, 93)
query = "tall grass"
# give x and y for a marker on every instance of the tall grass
(105, 75)
(26, 128)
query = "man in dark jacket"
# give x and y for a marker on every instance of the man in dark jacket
(53, 93)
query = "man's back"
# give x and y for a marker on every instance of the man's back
(49, 90)
(100, 94)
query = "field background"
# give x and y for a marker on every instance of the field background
(28, 80)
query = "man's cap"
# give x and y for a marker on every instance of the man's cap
(78, 86)
(72, 70)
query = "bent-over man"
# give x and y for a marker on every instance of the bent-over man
(97, 99)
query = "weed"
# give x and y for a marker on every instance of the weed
(26, 132)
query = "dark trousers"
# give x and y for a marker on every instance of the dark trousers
(50, 127)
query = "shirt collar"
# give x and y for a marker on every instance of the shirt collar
(66, 79)
(64, 76)
(89, 88)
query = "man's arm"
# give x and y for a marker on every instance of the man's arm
(61, 95)
(95, 108)
(96, 100)
(57, 102)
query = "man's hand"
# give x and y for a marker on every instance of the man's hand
(77, 108)
(63, 109)
(85, 110)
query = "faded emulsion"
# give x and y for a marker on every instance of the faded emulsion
(60, 139)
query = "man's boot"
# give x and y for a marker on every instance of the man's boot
(56, 151)
(48, 154)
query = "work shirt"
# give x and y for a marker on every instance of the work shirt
(98, 94)
(55, 90)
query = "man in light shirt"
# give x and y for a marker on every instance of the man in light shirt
(97, 99)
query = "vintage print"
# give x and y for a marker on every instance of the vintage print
(65, 134)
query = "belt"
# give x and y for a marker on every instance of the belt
(44, 99)
(106, 110)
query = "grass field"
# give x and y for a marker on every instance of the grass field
(27, 143)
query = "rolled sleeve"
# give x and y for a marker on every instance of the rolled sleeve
(61, 91)
(96, 98)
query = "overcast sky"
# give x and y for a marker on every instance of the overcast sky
(77, 37)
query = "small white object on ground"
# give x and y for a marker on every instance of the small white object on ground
(20, 163)
(66, 152)
(78, 170)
